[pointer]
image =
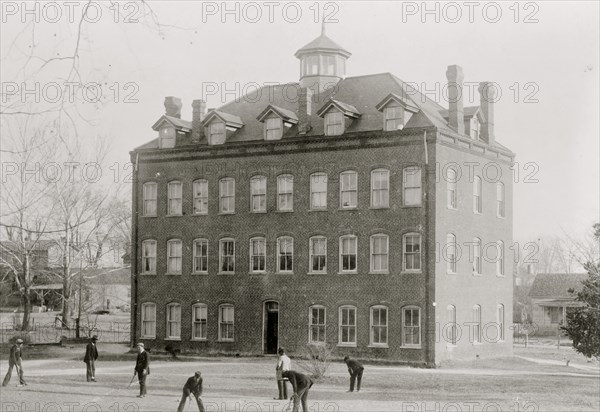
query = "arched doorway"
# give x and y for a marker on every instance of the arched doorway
(270, 327)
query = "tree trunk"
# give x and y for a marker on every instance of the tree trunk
(66, 310)
(26, 298)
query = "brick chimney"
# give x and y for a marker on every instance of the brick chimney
(456, 118)
(173, 106)
(304, 109)
(198, 112)
(487, 96)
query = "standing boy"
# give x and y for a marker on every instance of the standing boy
(142, 368)
(284, 364)
(14, 360)
(91, 355)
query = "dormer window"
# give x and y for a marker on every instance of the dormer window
(334, 124)
(396, 112)
(166, 137)
(216, 134)
(393, 118)
(273, 128)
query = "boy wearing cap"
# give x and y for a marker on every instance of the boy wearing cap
(14, 360)
(355, 370)
(91, 355)
(192, 386)
(142, 368)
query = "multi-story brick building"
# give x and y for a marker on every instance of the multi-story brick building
(335, 210)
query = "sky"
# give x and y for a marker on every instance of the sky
(543, 56)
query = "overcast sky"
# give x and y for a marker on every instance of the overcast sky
(546, 63)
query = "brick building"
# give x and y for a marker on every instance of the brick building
(352, 211)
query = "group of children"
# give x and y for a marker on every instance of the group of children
(300, 382)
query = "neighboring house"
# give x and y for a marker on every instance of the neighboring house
(334, 210)
(551, 299)
(107, 288)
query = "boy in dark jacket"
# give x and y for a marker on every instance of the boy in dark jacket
(301, 384)
(14, 360)
(192, 386)
(142, 368)
(355, 370)
(91, 355)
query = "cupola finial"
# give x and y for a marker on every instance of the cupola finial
(323, 27)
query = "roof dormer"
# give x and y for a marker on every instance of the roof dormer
(275, 120)
(168, 128)
(396, 112)
(338, 116)
(216, 125)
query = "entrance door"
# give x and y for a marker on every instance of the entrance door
(271, 327)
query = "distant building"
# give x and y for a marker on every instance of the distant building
(551, 300)
(338, 210)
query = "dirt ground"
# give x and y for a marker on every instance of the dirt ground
(56, 382)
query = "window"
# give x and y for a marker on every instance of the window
(328, 65)
(285, 254)
(200, 197)
(258, 194)
(311, 65)
(226, 322)
(451, 253)
(318, 254)
(173, 321)
(334, 124)
(411, 327)
(474, 129)
(348, 253)
(451, 188)
(149, 256)
(216, 133)
(476, 324)
(174, 258)
(500, 259)
(227, 195)
(167, 137)
(476, 256)
(500, 320)
(149, 190)
(273, 128)
(451, 332)
(200, 256)
(379, 253)
(227, 256)
(148, 320)
(285, 192)
(411, 252)
(554, 313)
(412, 186)
(318, 191)
(380, 188)
(393, 118)
(379, 326)
(199, 321)
(175, 197)
(500, 203)
(348, 190)
(317, 324)
(258, 255)
(477, 204)
(347, 326)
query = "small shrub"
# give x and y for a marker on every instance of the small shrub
(317, 358)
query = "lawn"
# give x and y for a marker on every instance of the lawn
(56, 378)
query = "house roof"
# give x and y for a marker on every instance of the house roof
(174, 121)
(322, 43)
(556, 285)
(229, 118)
(287, 115)
(345, 108)
(468, 111)
(108, 276)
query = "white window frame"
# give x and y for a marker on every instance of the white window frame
(200, 197)
(199, 323)
(150, 199)
(253, 256)
(285, 193)
(321, 328)
(452, 334)
(476, 324)
(315, 178)
(222, 256)
(177, 259)
(227, 195)
(411, 327)
(500, 200)
(173, 323)
(203, 258)
(273, 128)
(341, 254)
(349, 326)
(288, 242)
(150, 322)
(379, 328)
(151, 258)
(385, 261)
(451, 195)
(500, 269)
(477, 258)
(412, 182)
(406, 253)
(477, 196)
(392, 118)
(258, 192)
(212, 132)
(311, 254)
(334, 123)
(500, 318)
(385, 191)
(174, 198)
(452, 250)
(223, 322)
(351, 190)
